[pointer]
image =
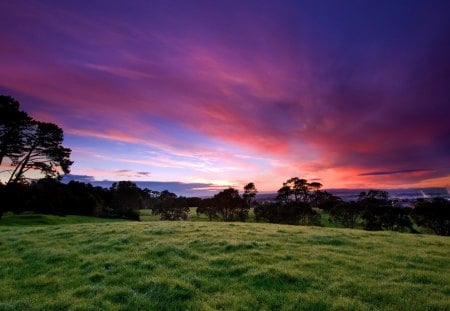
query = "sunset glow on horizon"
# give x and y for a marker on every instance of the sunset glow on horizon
(221, 93)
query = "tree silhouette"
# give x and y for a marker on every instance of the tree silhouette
(230, 206)
(171, 207)
(126, 199)
(30, 144)
(300, 188)
(346, 213)
(13, 123)
(434, 215)
(249, 193)
(315, 185)
(284, 194)
(42, 151)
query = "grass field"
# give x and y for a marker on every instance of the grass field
(31, 219)
(208, 266)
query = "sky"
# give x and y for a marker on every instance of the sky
(202, 95)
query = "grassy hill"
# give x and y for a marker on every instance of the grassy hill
(207, 266)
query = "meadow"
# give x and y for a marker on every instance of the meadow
(92, 264)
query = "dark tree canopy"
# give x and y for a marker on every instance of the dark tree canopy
(230, 206)
(30, 145)
(13, 122)
(127, 199)
(299, 188)
(434, 215)
(171, 207)
(378, 213)
(249, 193)
(346, 213)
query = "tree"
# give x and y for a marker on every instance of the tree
(315, 185)
(293, 213)
(346, 213)
(325, 200)
(30, 144)
(13, 123)
(126, 199)
(284, 194)
(47, 196)
(171, 207)
(434, 215)
(268, 212)
(230, 206)
(249, 193)
(379, 214)
(42, 151)
(82, 199)
(207, 207)
(299, 187)
(373, 204)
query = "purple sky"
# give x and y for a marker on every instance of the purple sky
(218, 93)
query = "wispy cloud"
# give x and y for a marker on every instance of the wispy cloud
(409, 171)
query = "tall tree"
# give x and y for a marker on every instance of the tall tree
(13, 123)
(249, 193)
(230, 206)
(284, 194)
(30, 144)
(126, 199)
(42, 151)
(433, 214)
(299, 188)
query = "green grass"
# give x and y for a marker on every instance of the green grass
(31, 219)
(146, 215)
(216, 265)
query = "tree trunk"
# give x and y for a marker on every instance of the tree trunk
(21, 167)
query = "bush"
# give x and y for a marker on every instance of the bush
(292, 213)
(434, 215)
(346, 213)
(172, 208)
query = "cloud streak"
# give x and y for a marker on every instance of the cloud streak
(410, 171)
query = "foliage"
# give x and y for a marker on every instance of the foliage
(13, 123)
(346, 213)
(249, 194)
(299, 188)
(433, 214)
(207, 207)
(230, 206)
(171, 207)
(219, 266)
(30, 144)
(379, 214)
(325, 200)
(292, 213)
(126, 199)
(49, 196)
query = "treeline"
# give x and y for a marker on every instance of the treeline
(298, 202)
(122, 200)
(49, 196)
